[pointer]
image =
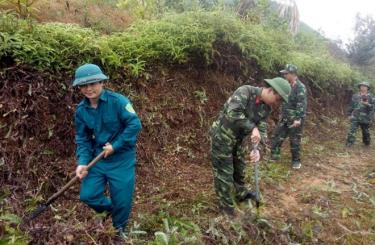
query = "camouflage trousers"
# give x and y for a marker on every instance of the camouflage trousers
(228, 162)
(365, 127)
(283, 131)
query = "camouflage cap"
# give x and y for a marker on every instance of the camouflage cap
(289, 68)
(364, 83)
(281, 86)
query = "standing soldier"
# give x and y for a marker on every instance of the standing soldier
(360, 114)
(105, 121)
(292, 118)
(245, 112)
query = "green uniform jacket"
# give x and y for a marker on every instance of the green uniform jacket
(359, 111)
(243, 111)
(295, 108)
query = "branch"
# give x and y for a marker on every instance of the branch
(362, 233)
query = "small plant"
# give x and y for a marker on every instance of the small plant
(346, 212)
(11, 233)
(201, 96)
(307, 229)
(177, 232)
(136, 67)
(198, 207)
(319, 213)
(273, 172)
(32, 202)
(319, 149)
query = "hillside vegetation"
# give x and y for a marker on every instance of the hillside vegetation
(187, 38)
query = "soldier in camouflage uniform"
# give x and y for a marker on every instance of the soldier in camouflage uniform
(292, 120)
(245, 112)
(360, 114)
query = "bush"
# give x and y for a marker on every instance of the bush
(173, 39)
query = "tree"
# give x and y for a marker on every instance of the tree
(362, 48)
(285, 9)
(23, 8)
(288, 10)
(245, 6)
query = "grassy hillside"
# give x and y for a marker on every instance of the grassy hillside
(174, 39)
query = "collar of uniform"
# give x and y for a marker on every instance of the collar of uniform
(103, 97)
(258, 99)
(295, 84)
(258, 91)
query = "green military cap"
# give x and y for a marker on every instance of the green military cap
(364, 83)
(289, 68)
(281, 86)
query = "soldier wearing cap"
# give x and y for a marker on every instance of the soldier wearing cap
(292, 118)
(360, 114)
(244, 113)
(105, 120)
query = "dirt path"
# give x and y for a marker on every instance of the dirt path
(331, 200)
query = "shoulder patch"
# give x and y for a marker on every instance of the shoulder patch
(129, 108)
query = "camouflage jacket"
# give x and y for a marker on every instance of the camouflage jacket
(243, 111)
(361, 112)
(295, 108)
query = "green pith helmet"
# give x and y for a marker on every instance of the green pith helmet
(367, 84)
(88, 73)
(281, 86)
(289, 68)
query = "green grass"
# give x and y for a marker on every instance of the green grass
(11, 233)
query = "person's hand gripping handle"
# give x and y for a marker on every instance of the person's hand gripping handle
(255, 155)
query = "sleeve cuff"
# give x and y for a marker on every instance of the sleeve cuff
(115, 146)
(83, 161)
(251, 126)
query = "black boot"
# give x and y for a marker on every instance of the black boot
(249, 195)
(228, 211)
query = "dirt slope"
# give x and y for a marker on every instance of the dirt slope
(331, 200)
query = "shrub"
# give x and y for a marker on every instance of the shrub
(173, 39)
